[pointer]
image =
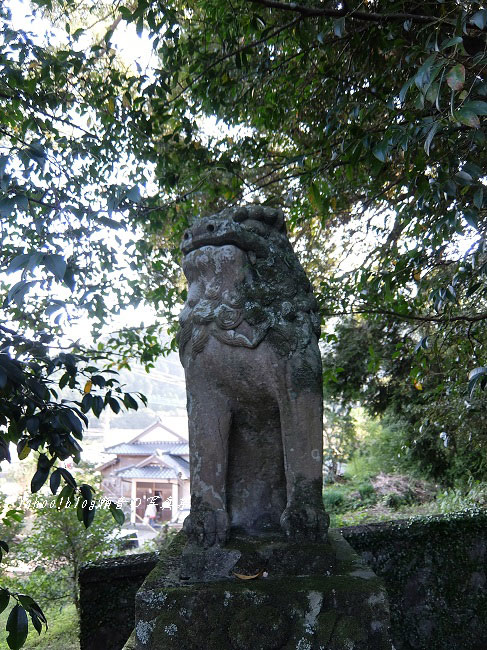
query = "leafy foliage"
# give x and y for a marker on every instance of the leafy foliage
(62, 544)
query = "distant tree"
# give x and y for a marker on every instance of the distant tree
(59, 544)
(430, 422)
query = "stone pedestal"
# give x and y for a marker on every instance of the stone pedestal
(307, 597)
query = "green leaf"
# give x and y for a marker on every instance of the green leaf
(56, 264)
(472, 218)
(381, 150)
(86, 508)
(86, 491)
(429, 138)
(129, 402)
(69, 279)
(35, 622)
(478, 198)
(315, 198)
(134, 194)
(404, 89)
(478, 107)
(339, 27)
(23, 449)
(4, 599)
(97, 405)
(464, 177)
(64, 497)
(18, 292)
(40, 477)
(449, 42)
(7, 206)
(114, 404)
(139, 27)
(76, 426)
(17, 627)
(467, 117)
(455, 77)
(3, 164)
(86, 402)
(422, 78)
(12, 368)
(18, 262)
(67, 476)
(117, 513)
(479, 18)
(36, 150)
(55, 480)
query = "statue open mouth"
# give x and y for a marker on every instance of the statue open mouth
(206, 233)
(248, 228)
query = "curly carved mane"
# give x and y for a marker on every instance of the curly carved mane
(271, 298)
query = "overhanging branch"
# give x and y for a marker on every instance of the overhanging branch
(310, 12)
(412, 317)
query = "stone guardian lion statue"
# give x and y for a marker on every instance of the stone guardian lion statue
(248, 341)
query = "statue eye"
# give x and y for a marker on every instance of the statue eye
(186, 235)
(210, 227)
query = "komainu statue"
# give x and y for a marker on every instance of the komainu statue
(248, 342)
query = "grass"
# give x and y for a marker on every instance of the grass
(63, 632)
(360, 499)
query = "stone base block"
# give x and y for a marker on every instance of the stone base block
(307, 597)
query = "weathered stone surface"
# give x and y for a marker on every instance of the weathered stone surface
(434, 569)
(107, 597)
(430, 568)
(249, 346)
(344, 607)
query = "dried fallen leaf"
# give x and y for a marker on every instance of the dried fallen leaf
(241, 576)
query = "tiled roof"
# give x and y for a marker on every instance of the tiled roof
(149, 471)
(182, 463)
(148, 448)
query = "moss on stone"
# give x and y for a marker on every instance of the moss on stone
(325, 625)
(431, 566)
(348, 629)
(265, 627)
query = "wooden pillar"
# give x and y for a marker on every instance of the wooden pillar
(132, 501)
(175, 500)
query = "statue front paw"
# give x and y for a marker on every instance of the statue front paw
(206, 526)
(305, 523)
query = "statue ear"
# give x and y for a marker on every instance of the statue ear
(240, 214)
(279, 222)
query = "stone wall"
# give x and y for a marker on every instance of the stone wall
(435, 574)
(107, 594)
(434, 569)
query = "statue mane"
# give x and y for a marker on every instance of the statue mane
(274, 300)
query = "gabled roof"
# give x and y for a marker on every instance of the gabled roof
(153, 427)
(113, 461)
(178, 464)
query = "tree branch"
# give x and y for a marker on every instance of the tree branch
(239, 50)
(311, 12)
(411, 317)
